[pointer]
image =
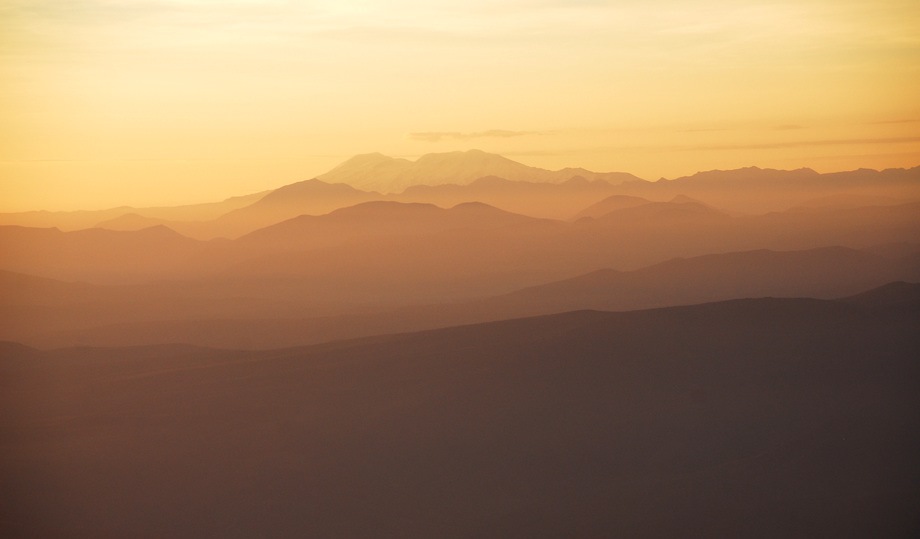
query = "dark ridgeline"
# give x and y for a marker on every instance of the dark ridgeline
(748, 418)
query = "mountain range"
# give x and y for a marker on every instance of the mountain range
(465, 346)
(474, 176)
(247, 314)
(377, 172)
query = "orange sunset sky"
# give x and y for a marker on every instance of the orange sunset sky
(151, 102)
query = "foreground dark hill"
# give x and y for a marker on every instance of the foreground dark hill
(751, 418)
(896, 295)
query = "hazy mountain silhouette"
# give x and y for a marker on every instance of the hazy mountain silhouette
(680, 208)
(377, 172)
(206, 316)
(625, 239)
(472, 249)
(359, 171)
(48, 311)
(538, 199)
(372, 232)
(846, 201)
(828, 272)
(21, 289)
(373, 267)
(132, 221)
(723, 419)
(768, 415)
(389, 253)
(459, 177)
(380, 218)
(642, 235)
(754, 190)
(77, 220)
(97, 255)
(861, 225)
(310, 197)
(30, 304)
(475, 176)
(609, 204)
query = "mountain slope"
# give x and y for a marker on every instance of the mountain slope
(714, 420)
(132, 221)
(818, 273)
(95, 254)
(309, 197)
(610, 204)
(378, 218)
(898, 294)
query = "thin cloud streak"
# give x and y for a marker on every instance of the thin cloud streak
(720, 147)
(437, 136)
(799, 144)
(890, 122)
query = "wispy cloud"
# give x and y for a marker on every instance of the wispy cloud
(669, 148)
(705, 130)
(800, 144)
(901, 121)
(437, 136)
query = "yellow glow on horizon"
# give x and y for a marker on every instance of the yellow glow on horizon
(162, 102)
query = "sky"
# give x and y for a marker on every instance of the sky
(160, 102)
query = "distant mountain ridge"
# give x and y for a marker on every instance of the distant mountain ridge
(377, 172)
(41, 311)
(757, 190)
(825, 273)
(381, 218)
(448, 179)
(80, 219)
